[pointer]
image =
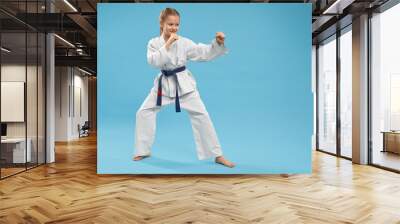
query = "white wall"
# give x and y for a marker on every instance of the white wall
(15, 72)
(80, 105)
(62, 81)
(71, 87)
(12, 73)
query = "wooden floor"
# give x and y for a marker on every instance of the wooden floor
(70, 191)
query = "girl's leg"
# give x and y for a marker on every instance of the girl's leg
(206, 139)
(146, 125)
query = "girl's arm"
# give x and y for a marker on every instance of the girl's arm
(157, 57)
(205, 52)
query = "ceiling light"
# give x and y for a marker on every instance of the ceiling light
(84, 71)
(338, 6)
(5, 49)
(71, 6)
(64, 40)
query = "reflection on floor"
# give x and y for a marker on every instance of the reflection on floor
(10, 169)
(386, 159)
(346, 152)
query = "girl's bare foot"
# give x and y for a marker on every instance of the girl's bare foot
(137, 158)
(221, 160)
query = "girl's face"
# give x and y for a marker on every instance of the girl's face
(170, 25)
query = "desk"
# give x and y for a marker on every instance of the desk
(15, 148)
(391, 141)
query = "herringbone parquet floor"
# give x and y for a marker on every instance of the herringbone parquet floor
(70, 191)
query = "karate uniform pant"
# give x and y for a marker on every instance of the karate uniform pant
(206, 139)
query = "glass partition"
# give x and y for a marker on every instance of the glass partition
(22, 88)
(14, 153)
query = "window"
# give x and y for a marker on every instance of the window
(346, 92)
(385, 88)
(327, 95)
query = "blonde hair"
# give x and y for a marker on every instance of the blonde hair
(165, 13)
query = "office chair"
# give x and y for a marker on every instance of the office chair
(84, 130)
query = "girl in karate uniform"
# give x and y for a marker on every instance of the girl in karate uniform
(176, 84)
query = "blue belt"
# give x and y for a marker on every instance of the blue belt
(159, 92)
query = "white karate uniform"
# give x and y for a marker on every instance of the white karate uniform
(180, 51)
